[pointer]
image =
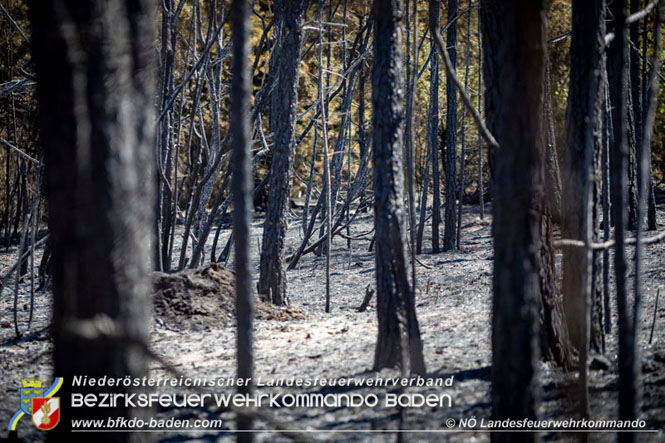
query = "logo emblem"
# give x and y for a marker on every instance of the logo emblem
(46, 415)
(34, 398)
(31, 388)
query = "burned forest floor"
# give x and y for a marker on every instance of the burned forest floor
(453, 303)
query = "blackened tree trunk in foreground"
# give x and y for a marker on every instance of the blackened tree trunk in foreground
(514, 55)
(398, 341)
(241, 187)
(289, 15)
(94, 63)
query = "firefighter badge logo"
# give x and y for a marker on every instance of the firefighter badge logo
(40, 403)
(46, 412)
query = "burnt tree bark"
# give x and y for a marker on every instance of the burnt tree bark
(635, 81)
(598, 315)
(552, 169)
(433, 130)
(514, 60)
(450, 219)
(95, 70)
(398, 341)
(652, 225)
(241, 186)
(555, 341)
(599, 307)
(583, 124)
(582, 120)
(619, 78)
(463, 129)
(619, 153)
(643, 171)
(272, 280)
(481, 187)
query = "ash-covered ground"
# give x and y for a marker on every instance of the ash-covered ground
(453, 305)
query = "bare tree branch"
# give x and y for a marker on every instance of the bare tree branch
(14, 24)
(18, 151)
(569, 243)
(639, 15)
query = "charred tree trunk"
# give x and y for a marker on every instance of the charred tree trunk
(95, 70)
(635, 79)
(582, 125)
(635, 109)
(652, 225)
(514, 60)
(462, 158)
(165, 137)
(398, 341)
(552, 170)
(481, 186)
(582, 120)
(241, 187)
(555, 341)
(450, 223)
(650, 106)
(632, 159)
(598, 316)
(272, 281)
(607, 143)
(433, 131)
(616, 64)
(621, 74)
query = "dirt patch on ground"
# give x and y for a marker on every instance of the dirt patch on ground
(200, 299)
